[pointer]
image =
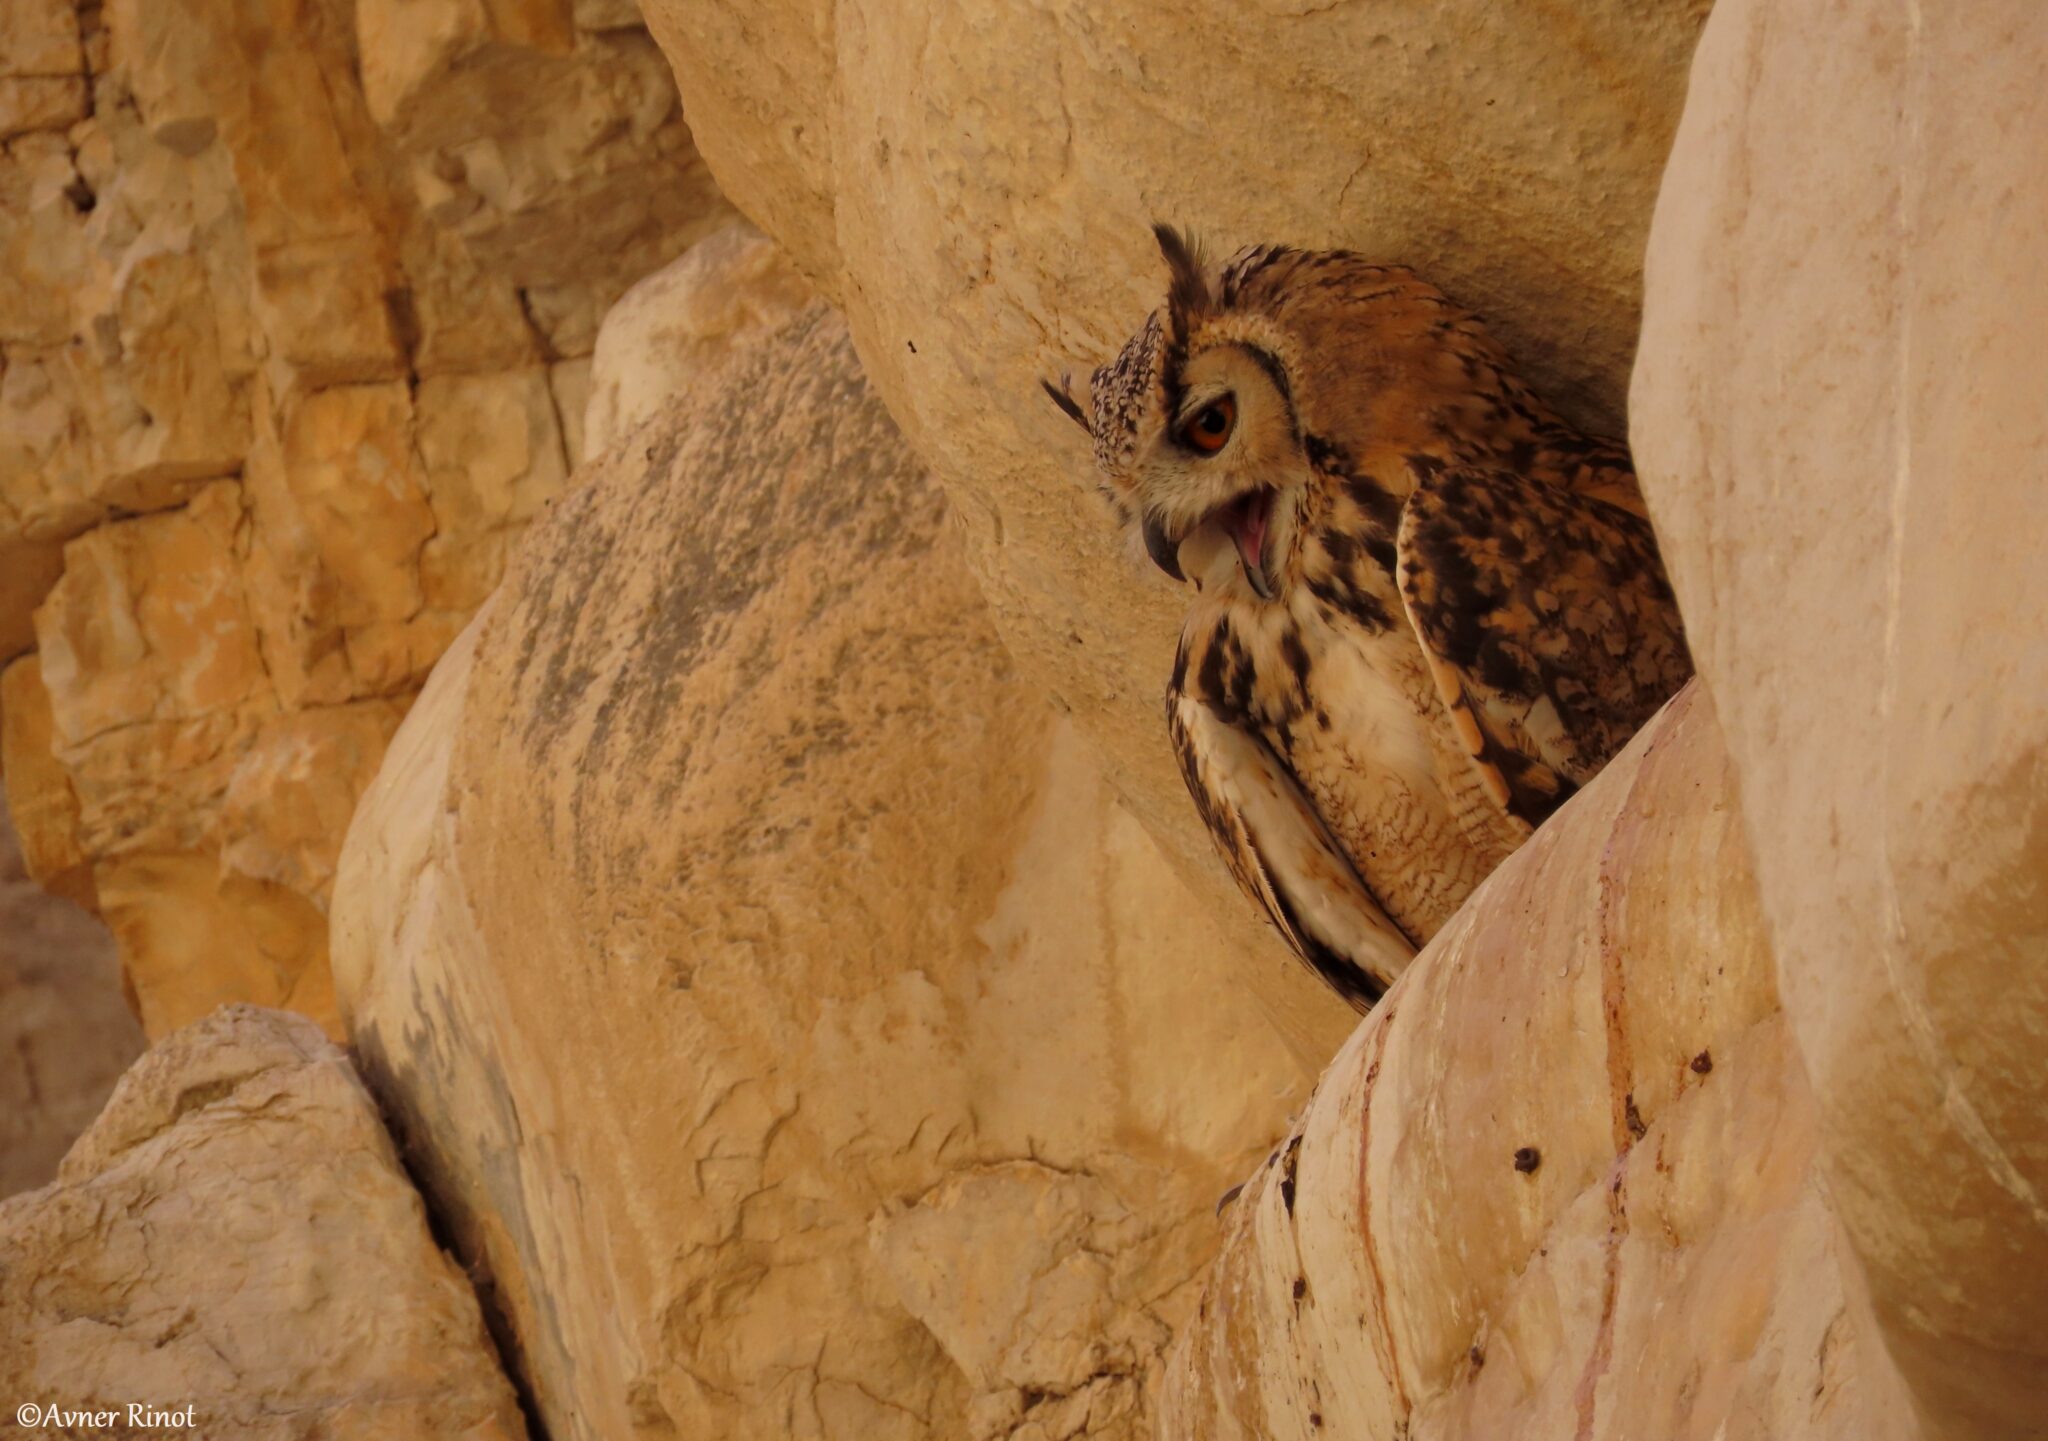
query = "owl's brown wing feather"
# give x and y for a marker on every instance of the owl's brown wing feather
(1548, 622)
(1282, 855)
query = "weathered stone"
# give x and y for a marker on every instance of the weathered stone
(28, 568)
(288, 801)
(66, 1034)
(224, 290)
(729, 829)
(667, 333)
(193, 939)
(493, 452)
(976, 189)
(1578, 1116)
(40, 102)
(40, 798)
(235, 1234)
(149, 623)
(40, 37)
(1840, 416)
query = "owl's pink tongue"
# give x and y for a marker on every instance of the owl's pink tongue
(1248, 529)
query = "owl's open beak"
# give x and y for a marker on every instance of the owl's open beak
(1247, 520)
(1165, 552)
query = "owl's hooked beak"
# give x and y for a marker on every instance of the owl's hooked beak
(1164, 550)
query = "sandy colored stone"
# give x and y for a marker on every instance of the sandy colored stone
(749, 955)
(41, 801)
(358, 491)
(494, 455)
(28, 568)
(66, 1033)
(235, 1232)
(226, 293)
(288, 801)
(193, 938)
(558, 155)
(1605, 1007)
(669, 331)
(976, 188)
(1840, 415)
(40, 37)
(149, 622)
(40, 102)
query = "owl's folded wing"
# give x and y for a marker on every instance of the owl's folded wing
(1282, 856)
(1548, 623)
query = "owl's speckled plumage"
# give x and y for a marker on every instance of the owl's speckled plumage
(1428, 610)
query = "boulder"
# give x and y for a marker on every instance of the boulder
(795, 1032)
(235, 1235)
(667, 334)
(1840, 416)
(1563, 1180)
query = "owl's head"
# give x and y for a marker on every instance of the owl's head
(1210, 425)
(1198, 439)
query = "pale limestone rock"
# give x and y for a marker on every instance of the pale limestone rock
(494, 454)
(194, 937)
(751, 956)
(148, 622)
(288, 801)
(355, 498)
(975, 186)
(244, 367)
(1841, 414)
(557, 153)
(66, 1033)
(235, 1233)
(668, 332)
(1667, 1266)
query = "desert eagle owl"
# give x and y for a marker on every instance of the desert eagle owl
(1427, 610)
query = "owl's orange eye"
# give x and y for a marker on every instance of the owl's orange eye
(1209, 429)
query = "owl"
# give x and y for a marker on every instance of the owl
(1423, 611)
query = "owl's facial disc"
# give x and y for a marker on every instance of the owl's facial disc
(1216, 490)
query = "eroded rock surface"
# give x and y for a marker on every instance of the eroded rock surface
(296, 312)
(235, 1234)
(799, 1034)
(975, 187)
(1841, 415)
(1613, 1226)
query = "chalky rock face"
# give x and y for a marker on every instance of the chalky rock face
(295, 326)
(975, 186)
(770, 987)
(235, 1234)
(669, 333)
(1840, 415)
(1454, 1249)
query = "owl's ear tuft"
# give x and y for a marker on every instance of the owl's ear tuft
(1063, 396)
(1187, 293)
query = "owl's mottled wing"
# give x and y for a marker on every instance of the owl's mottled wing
(1283, 856)
(1548, 622)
